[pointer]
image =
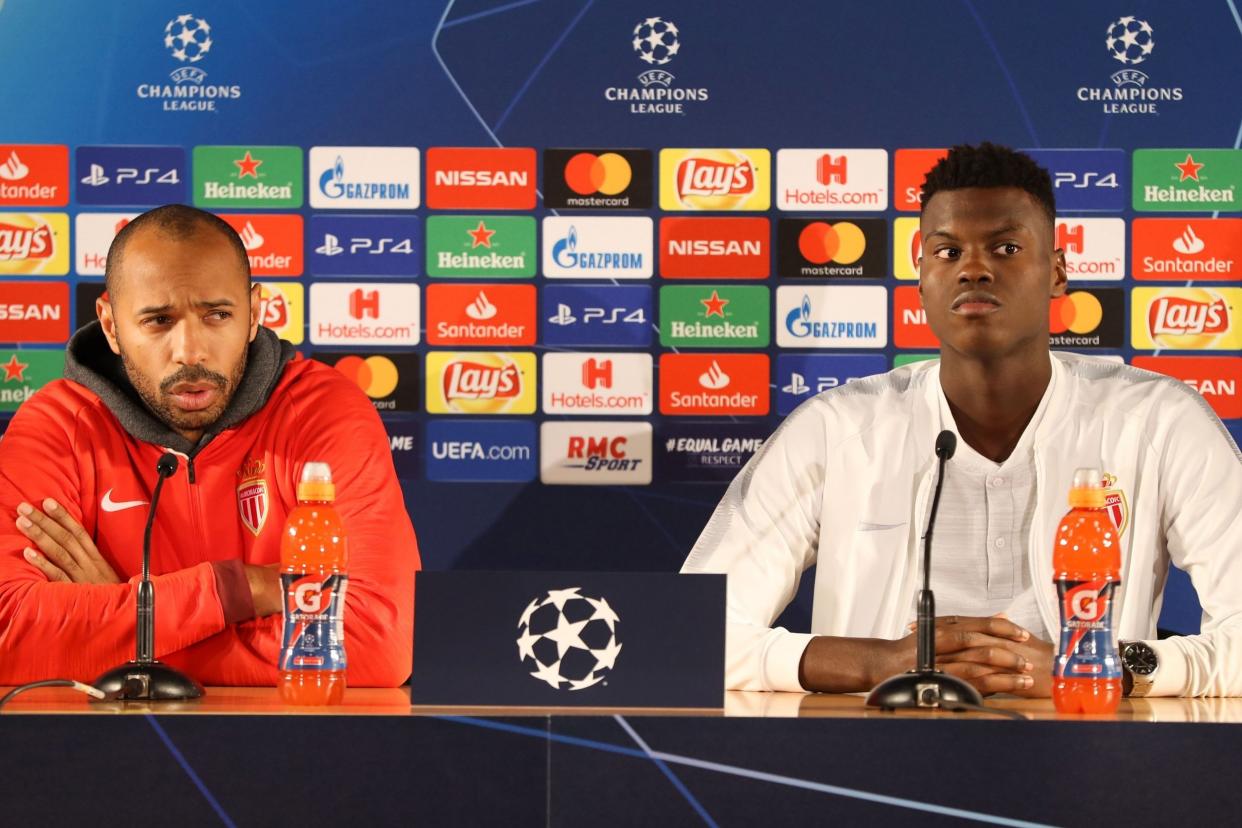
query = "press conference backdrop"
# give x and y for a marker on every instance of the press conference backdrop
(584, 255)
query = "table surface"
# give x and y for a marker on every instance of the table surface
(365, 701)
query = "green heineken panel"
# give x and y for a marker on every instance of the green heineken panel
(25, 372)
(248, 176)
(715, 316)
(481, 247)
(1187, 180)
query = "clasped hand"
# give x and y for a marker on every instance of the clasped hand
(993, 654)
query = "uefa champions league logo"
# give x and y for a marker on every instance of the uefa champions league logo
(188, 38)
(655, 41)
(1129, 40)
(568, 639)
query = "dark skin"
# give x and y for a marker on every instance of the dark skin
(181, 314)
(988, 273)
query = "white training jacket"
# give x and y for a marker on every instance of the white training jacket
(846, 483)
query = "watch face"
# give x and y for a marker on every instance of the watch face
(1139, 659)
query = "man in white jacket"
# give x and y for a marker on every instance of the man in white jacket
(845, 482)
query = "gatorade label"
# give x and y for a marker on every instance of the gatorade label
(314, 637)
(1087, 649)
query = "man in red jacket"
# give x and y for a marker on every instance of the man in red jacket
(178, 362)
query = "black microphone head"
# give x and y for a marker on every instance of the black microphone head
(167, 465)
(946, 444)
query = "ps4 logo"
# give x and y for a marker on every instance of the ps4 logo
(360, 245)
(1081, 181)
(131, 175)
(603, 316)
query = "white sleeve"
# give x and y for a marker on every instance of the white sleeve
(763, 535)
(1202, 501)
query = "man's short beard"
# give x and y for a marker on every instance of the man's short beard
(157, 402)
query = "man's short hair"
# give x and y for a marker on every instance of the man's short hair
(176, 221)
(991, 165)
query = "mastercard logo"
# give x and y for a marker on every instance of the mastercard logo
(1078, 313)
(607, 173)
(377, 376)
(821, 242)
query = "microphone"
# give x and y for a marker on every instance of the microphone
(144, 678)
(925, 686)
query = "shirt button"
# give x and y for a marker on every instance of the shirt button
(998, 481)
(1000, 543)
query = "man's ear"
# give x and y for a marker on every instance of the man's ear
(1059, 277)
(256, 306)
(103, 309)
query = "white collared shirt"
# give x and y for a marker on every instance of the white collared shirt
(979, 546)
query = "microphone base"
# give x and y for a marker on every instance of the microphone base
(147, 681)
(928, 689)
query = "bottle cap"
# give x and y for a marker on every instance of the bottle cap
(316, 482)
(1087, 491)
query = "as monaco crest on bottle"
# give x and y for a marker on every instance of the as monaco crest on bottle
(1086, 561)
(313, 560)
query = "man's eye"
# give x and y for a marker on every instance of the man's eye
(156, 321)
(220, 315)
(947, 253)
(1009, 249)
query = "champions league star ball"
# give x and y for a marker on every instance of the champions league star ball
(568, 640)
(656, 41)
(188, 38)
(1130, 40)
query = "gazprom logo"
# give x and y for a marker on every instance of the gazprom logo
(798, 321)
(333, 185)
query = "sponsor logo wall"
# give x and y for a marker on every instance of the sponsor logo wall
(622, 315)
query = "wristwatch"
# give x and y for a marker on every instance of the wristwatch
(1140, 664)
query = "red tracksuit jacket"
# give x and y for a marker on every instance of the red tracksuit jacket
(65, 443)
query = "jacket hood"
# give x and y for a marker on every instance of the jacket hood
(89, 361)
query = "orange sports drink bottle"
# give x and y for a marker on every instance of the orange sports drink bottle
(1086, 562)
(313, 562)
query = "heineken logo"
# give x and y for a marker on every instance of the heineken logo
(715, 316)
(227, 176)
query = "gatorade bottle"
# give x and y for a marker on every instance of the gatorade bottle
(313, 561)
(1086, 562)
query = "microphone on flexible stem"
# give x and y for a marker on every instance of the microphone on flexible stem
(925, 686)
(144, 678)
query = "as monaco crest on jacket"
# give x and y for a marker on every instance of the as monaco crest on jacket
(252, 496)
(1115, 503)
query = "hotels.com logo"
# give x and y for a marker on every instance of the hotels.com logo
(832, 179)
(364, 304)
(1094, 248)
(830, 170)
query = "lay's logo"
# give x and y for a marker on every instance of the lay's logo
(715, 179)
(479, 382)
(1179, 316)
(1186, 318)
(34, 243)
(708, 177)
